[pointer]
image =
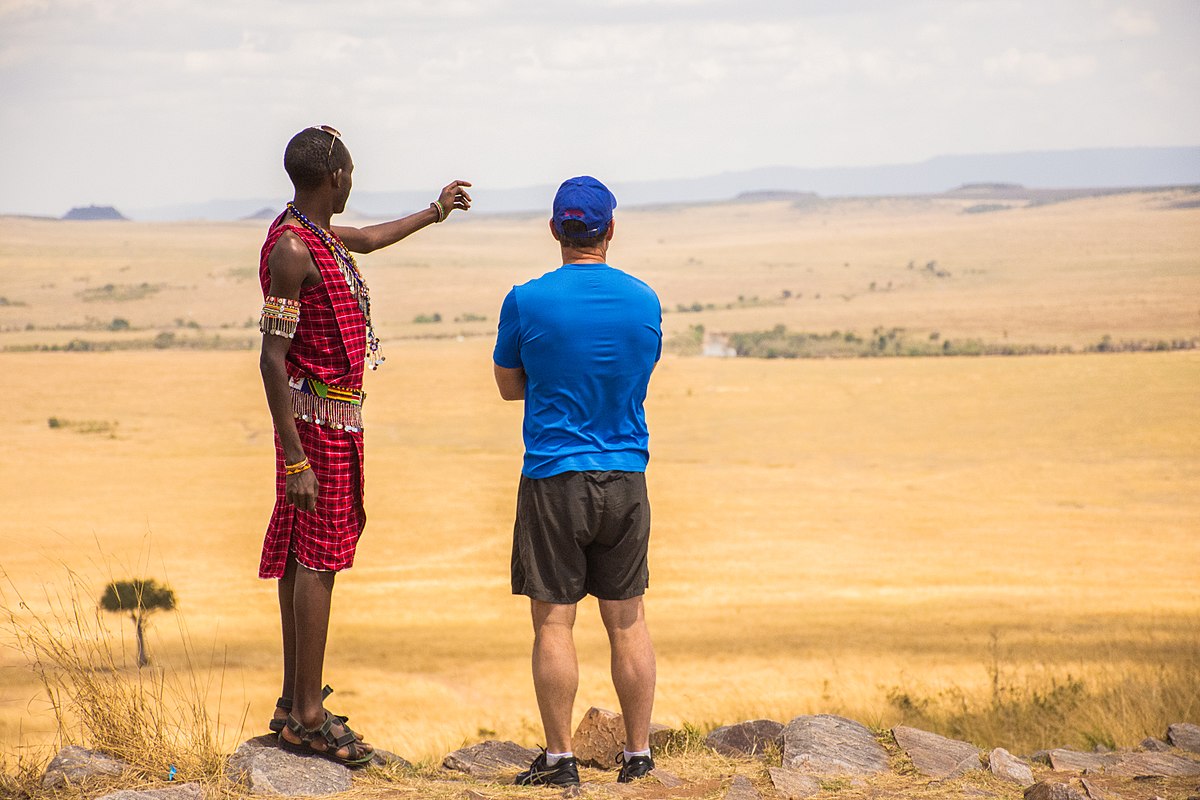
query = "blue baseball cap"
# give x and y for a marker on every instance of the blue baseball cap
(587, 200)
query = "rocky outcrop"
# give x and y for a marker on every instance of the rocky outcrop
(936, 756)
(746, 738)
(74, 765)
(827, 745)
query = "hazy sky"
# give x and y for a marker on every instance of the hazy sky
(139, 103)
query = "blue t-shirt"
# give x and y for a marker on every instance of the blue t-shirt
(588, 337)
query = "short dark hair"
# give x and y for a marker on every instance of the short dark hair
(308, 159)
(571, 228)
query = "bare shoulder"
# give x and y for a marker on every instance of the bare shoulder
(291, 261)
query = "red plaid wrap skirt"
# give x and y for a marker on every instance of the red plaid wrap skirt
(330, 345)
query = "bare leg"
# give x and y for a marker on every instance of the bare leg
(633, 667)
(287, 615)
(555, 670)
(311, 601)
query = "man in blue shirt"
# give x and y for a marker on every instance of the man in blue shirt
(578, 346)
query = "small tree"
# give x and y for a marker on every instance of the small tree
(140, 598)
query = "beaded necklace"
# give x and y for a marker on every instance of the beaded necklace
(354, 280)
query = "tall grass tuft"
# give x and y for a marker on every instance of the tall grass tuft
(154, 718)
(1112, 706)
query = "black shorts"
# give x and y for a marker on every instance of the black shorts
(580, 533)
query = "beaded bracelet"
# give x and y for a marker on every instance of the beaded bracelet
(441, 211)
(280, 316)
(297, 468)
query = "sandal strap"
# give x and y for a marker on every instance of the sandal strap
(284, 702)
(305, 735)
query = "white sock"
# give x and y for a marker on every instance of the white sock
(629, 755)
(554, 758)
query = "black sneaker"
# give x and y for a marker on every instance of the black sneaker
(565, 772)
(636, 767)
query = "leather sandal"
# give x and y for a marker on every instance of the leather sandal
(276, 725)
(356, 754)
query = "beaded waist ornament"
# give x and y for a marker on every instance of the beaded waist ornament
(325, 404)
(280, 316)
(354, 280)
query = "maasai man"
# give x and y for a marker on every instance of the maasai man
(317, 338)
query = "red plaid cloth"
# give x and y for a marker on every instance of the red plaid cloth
(330, 345)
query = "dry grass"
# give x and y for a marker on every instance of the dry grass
(827, 533)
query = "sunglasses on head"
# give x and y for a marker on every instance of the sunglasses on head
(334, 135)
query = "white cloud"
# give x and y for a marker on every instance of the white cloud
(1039, 68)
(1129, 22)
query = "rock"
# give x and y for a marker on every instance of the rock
(1041, 757)
(1153, 765)
(1050, 790)
(667, 779)
(182, 791)
(75, 764)
(1093, 791)
(383, 758)
(1008, 767)
(489, 759)
(936, 756)
(1072, 761)
(1185, 736)
(827, 745)
(745, 738)
(793, 785)
(266, 768)
(1154, 745)
(742, 789)
(600, 738)
(972, 791)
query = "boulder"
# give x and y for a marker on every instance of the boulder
(827, 745)
(1185, 736)
(742, 789)
(1006, 766)
(745, 738)
(793, 785)
(1052, 790)
(1154, 745)
(600, 738)
(266, 768)
(182, 791)
(75, 764)
(488, 760)
(936, 756)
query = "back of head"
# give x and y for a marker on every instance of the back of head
(312, 155)
(583, 211)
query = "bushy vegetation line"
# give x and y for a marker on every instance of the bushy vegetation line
(779, 342)
(166, 340)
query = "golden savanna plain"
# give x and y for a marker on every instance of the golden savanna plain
(859, 536)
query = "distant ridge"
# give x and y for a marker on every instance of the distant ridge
(93, 213)
(1108, 168)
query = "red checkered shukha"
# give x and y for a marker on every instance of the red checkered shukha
(330, 345)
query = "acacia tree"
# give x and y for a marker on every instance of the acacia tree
(139, 598)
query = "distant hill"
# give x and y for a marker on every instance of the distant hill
(266, 212)
(1109, 168)
(93, 213)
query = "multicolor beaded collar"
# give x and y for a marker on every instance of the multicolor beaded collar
(354, 280)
